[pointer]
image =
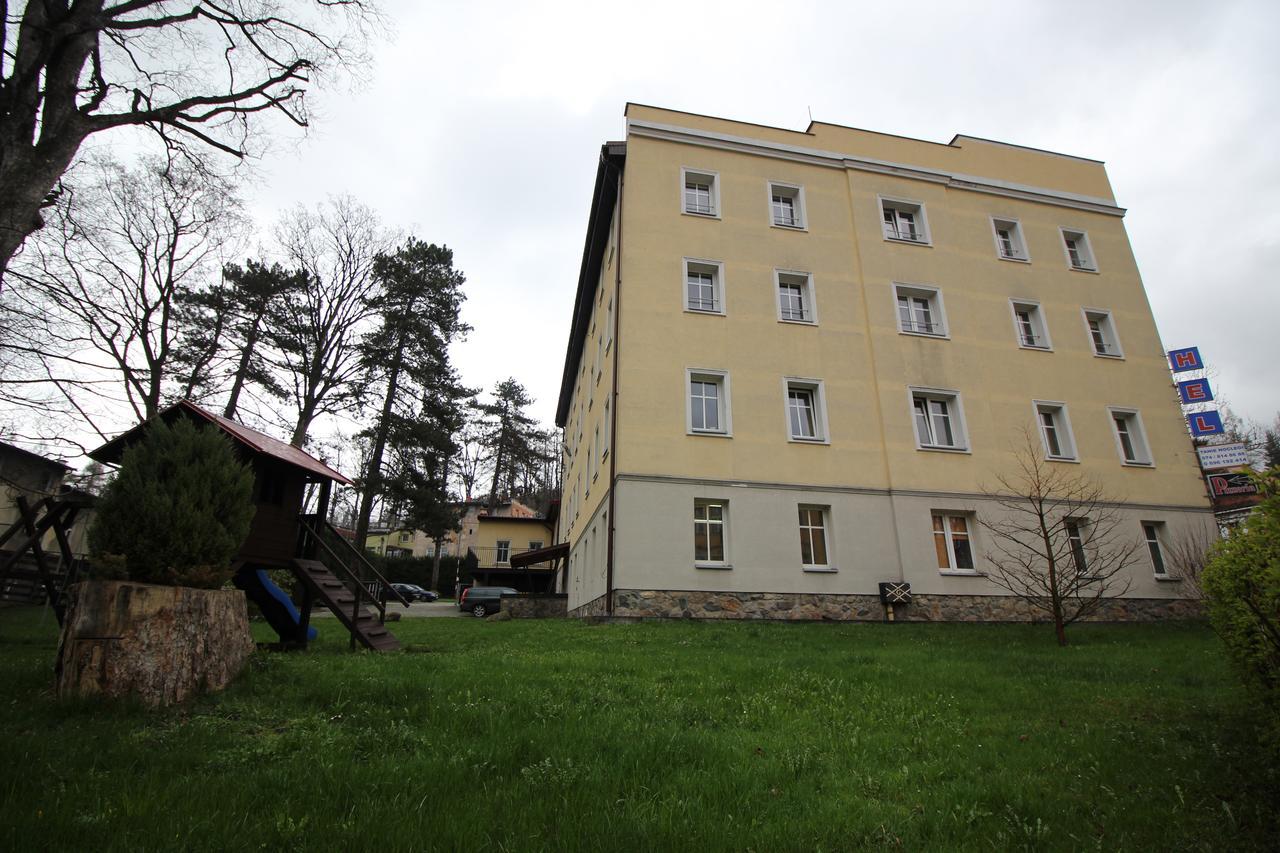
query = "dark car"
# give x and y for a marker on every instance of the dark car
(413, 592)
(483, 600)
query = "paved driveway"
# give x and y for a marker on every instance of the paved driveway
(419, 610)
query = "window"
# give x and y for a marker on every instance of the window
(920, 310)
(1075, 540)
(938, 419)
(1079, 253)
(813, 537)
(1009, 243)
(535, 544)
(708, 402)
(806, 413)
(951, 543)
(1028, 323)
(786, 205)
(904, 220)
(708, 532)
(795, 297)
(1131, 439)
(406, 537)
(1151, 531)
(701, 192)
(595, 461)
(1055, 430)
(504, 551)
(605, 453)
(1102, 333)
(704, 286)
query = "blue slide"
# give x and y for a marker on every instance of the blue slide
(277, 608)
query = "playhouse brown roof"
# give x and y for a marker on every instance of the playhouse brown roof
(258, 442)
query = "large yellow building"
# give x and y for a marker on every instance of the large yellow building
(799, 362)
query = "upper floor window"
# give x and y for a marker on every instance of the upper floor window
(806, 412)
(795, 297)
(708, 402)
(1079, 252)
(1102, 333)
(938, 419)
(704, 286)
(1028, 322)
(786, 205)
(1131, 438)
(920, 310)
(904, 220)
(1009, 242)
(1055, 430)
(503, 551)
(701, 192)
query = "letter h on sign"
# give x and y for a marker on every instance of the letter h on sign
(1182, 360)
(1206, 423)
(1195, 391)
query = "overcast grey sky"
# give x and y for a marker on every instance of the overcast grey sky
(479, 126)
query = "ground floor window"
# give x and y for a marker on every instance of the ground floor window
(951, 542)
(708, 531)
(813, 537)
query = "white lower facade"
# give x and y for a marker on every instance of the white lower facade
(868, 537)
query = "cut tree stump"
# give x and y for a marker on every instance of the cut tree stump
(160, 644)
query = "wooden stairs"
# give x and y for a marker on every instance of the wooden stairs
(358, 612)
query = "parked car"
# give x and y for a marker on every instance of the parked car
(413, 592)
(483, 600)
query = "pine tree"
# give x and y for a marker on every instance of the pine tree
(511, 436)
(178, 510)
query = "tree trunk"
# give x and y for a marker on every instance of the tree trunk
(435, 564)
(160, 644)
(497, 469)
(246, 358)
(373, 473)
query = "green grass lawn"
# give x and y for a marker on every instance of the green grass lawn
(549, 735)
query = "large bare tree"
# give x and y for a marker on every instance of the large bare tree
(196, 73)
(1060, 542)
(108, 272)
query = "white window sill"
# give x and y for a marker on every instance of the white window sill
(689, 310)
(1167, 579)
(1090, 270)
(936, 335)
(1128, 464)
(1119, 357)
(788, 227)
(709, 434)
(1035, 349)
(697, 215)
(961, 573)
(794, 440)
(906, 242)
(1015, 260)
(1073, 460)
(935, 448)
(713, 566)
(798, 322)
(821, 570)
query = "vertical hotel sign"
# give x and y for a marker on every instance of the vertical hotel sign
(1195, 392)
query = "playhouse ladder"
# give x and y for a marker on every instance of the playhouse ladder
(362, 621)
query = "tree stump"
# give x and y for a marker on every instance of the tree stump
(161, 644)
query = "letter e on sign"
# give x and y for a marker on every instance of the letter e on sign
(1182, 360)
(1195, 391)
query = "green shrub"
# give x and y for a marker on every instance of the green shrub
(178, 510)
(1242, 585)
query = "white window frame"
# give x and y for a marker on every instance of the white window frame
(817, 395)
(607, 426)
(1077, 530)
(937, 309)
(720, 377)
(796, 192)
(955, 415)
(724, 534)
(824, 513)
(713, 179)
(948, 538)
(1020, 253)
(1137, 438)
(1153, 533)
(1039, 327)
(1089, 262)
(810, 304)
(498, 550)
(919, 216)
(1062, 429)
(703, 265)
(1108, 330)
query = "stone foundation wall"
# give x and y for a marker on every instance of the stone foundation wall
(547, 606)
(595, 607)
(664, 604)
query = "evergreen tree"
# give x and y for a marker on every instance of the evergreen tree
(1271, 447)
(178, 510)
(418, 303)
(512, 438)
